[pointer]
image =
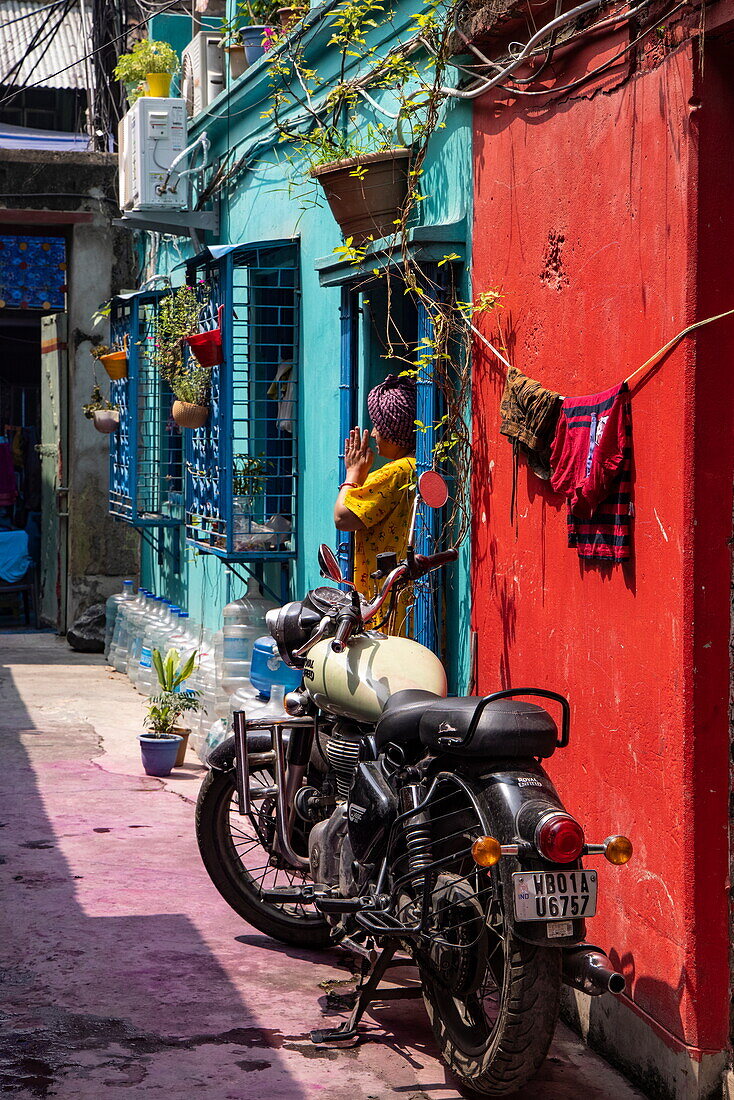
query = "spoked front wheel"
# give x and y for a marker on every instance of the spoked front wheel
(237, 853)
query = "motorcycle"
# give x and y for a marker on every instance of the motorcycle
(380, 814)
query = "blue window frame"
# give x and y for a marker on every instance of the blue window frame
(146, 457)
(241, 467)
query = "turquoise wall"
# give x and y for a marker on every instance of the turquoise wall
(272, 198)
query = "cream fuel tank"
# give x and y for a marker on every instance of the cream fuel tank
(357, 682)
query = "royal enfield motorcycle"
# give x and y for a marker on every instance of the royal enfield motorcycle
(408, 826)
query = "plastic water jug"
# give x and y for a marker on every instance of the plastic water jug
(269, 669)
(111, 608)
(243, 622)
(119, 633)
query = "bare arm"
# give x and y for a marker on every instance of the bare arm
(358, 459)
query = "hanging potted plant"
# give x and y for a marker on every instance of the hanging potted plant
(364, 168)
(190, 386)
(150, 61)
(207, 345)
(103, 413)
(163, 742)
(113, 359)
(177, 319)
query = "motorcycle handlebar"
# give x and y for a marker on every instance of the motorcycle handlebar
(343, 632)
(424, 563)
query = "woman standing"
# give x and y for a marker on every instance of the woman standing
(377, 506)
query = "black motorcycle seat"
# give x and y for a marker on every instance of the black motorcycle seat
(507, 728)
(401, 717)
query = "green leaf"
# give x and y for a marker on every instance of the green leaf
(158, 666)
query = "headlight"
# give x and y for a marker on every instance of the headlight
(291, 626)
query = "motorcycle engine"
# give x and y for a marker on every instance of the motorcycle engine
(341, 745)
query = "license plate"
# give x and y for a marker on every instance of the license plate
(554, 895)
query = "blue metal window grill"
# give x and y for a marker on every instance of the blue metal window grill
(241, 468)
(146, 454)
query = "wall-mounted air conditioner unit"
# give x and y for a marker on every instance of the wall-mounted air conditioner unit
(151, 136)
(202, 77)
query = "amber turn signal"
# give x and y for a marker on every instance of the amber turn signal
(486, 851)
(618, 850)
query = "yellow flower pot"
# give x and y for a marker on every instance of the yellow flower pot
(159, 85)
(115, 364)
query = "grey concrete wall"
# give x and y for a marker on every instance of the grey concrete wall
(100, 552)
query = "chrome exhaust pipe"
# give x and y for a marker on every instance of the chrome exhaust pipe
(587, 968)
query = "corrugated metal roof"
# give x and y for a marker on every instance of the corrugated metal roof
(39, 64)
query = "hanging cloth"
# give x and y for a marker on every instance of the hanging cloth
(8, 488)
(284, 389)
(592, 461)
(529, 418)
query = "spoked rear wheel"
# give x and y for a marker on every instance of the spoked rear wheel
(237, 853)
(492, 999)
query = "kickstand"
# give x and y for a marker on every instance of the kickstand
(346, 1034)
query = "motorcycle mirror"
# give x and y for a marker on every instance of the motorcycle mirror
(433, 489)
(328, 564)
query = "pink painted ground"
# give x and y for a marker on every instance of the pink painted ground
(122, 973)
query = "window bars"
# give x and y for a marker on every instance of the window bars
(241, 468)
(146, 453)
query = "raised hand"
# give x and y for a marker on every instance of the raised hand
(358, 455)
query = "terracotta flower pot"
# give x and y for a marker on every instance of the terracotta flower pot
(237, 61)
(366, 205)
(182, 732)
(115, 364)
(159, 85)
(288, 17)
(187, 415)
(106, 421)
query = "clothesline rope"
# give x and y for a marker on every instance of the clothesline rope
(655, 359)
(648, 365)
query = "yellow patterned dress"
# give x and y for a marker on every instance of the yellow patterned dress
(384, 504)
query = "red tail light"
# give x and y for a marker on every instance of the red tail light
(560, 839)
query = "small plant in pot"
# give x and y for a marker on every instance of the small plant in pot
(164, 745)
(363, 167)
(113, 359)
(190, 386)
(150, 61)
(103, 413)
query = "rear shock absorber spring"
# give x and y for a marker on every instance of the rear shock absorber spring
(416, 830)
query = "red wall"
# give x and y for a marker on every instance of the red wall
(589, 218)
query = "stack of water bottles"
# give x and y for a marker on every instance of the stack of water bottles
(138, 623)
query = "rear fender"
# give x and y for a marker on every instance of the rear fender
(502, 794)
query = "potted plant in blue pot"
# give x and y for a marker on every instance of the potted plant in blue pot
(163, 746)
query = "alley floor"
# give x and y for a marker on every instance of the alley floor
(123, 973)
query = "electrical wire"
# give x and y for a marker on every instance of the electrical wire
(91, 53)
(601, 68)
(30, 14)
(37, 39)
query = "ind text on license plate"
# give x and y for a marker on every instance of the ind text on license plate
(553, 895)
